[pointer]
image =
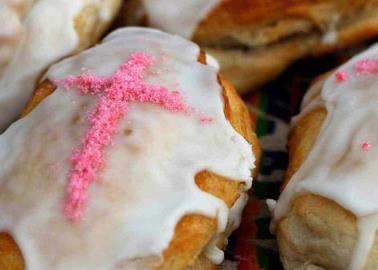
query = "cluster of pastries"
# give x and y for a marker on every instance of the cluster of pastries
(133, 154)
(129, 148)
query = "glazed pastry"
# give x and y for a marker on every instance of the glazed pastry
(255, 40)
(35, 34)
(327, 214)
(134, 154)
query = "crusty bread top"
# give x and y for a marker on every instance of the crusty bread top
(250, 23)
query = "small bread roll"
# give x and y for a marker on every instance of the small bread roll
(170, 178)
(36, 34)
(327, 214)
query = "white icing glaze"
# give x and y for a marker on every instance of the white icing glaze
(337, 168)
(178, 17)
(148, 182)
(236, 212)
(271, 205)
(49, 34)
(212, 61)
(11, 29)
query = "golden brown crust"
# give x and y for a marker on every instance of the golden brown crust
(319, 232)
(316, 232)
(193, 232)
(43, 90)
(270, 20)
(250, 69)
(256, 40)
(202, 263)
(302, 137)
(10, 255)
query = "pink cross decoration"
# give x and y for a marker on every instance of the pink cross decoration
(116, 91)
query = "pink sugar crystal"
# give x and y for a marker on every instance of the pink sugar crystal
(365, 146)
(116, 91)
(341, 76)
(206, 119)
(367, 66)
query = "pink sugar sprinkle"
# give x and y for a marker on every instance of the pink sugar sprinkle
(341, 76)
(206, 119)
(117, 90)
(367, 66)
(365, 146)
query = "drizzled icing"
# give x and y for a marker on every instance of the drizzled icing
(43, 35)
(178, 17)
(347, 173)
(148, 182)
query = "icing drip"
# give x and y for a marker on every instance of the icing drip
(234, 220)
(348, 133)
(48, 35)
(271, 205)
(331, 36)
(178, 17)
(236, 213)
(148, 183)
(123, 86)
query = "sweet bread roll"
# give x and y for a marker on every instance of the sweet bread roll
(327, 214)
(35, 34)
(255, 40)
(134, 154)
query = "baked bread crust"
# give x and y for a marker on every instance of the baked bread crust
(317, 233)
(193, 232)
(262, 38)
